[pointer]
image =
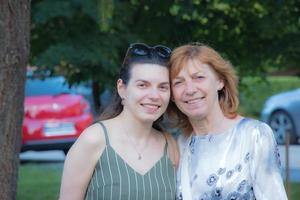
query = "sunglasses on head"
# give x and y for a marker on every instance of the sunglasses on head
(140, 49)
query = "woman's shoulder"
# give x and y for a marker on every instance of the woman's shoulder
(255, 128)
(182, 139)
(173, 151)
(253, 123)
(91, 140)
(165, 137)
(94, 134)
(87, 149)
(170, 140)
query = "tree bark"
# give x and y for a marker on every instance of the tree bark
(14, 52)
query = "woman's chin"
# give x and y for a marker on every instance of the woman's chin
(193, 113)
(149, 118)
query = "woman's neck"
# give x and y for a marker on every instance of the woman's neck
(206, 126)
(212, 123)
(137, 129)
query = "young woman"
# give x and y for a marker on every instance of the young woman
(126, 155)
(222, 154)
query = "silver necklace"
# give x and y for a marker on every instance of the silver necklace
(139, 153)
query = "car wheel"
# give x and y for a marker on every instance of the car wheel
(281, 123)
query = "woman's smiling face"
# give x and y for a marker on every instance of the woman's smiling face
(195, 89)
(147, 94)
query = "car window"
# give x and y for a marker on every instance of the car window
(47, 86)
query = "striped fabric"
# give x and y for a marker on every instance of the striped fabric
(114, 179)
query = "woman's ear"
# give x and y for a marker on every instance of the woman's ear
(121, 88)
(220, 84)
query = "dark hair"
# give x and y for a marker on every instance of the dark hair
(115, 106)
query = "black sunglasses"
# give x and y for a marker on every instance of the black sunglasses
(140, 49)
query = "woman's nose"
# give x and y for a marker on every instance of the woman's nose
(190, 88)
(154, 94)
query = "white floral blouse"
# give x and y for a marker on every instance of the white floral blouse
(241, 163)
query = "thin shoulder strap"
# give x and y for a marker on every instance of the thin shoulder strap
(166, 145)
(105, 133)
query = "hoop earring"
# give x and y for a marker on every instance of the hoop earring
(122, 101)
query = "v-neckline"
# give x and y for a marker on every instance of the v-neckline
(132, 168)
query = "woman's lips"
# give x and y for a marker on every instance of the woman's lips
(151, 107)
(193, 101)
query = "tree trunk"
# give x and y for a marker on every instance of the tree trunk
(96, 96)
(14, 51)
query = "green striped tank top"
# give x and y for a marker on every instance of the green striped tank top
(114, 179)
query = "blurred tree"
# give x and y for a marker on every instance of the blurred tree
(87, 39)
(253, 34)
(79, 40)
(14, 52)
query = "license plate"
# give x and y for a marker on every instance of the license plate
(59, 128)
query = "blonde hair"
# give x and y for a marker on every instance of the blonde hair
(228, 95)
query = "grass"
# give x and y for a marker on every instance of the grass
(39, 181)
(42, 181)
(295, 191)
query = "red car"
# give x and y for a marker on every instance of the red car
(55, 114)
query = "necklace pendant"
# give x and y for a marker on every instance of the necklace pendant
(139, 157)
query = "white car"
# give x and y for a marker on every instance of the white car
(282, 113)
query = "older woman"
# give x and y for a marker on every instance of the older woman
(223, 154)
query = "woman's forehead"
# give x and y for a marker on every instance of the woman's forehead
(196, 66)
(149, 71)
(191, 66)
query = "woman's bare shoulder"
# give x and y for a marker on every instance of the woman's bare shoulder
(81, 159)
(91, 140)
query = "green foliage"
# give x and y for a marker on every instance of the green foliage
(106, 10)
(86, 40)
(66, 39)
(250, 33)
(255, 91)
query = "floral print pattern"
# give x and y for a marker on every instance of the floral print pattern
(212, 179)
(247, 157)
(238, 167)
(221, 171)
(277, 157)
(220, 167)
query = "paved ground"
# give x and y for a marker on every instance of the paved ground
(42, 156)
(294, 161)
(294, 156)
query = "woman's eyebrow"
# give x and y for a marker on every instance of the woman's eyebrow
(140, 80)
(178, 77)
(165, 83)
(145, 81)
(198, 72)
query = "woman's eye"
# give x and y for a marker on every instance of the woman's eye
(141, 85)
(164, 88)
(200, 77)
(176, 83)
